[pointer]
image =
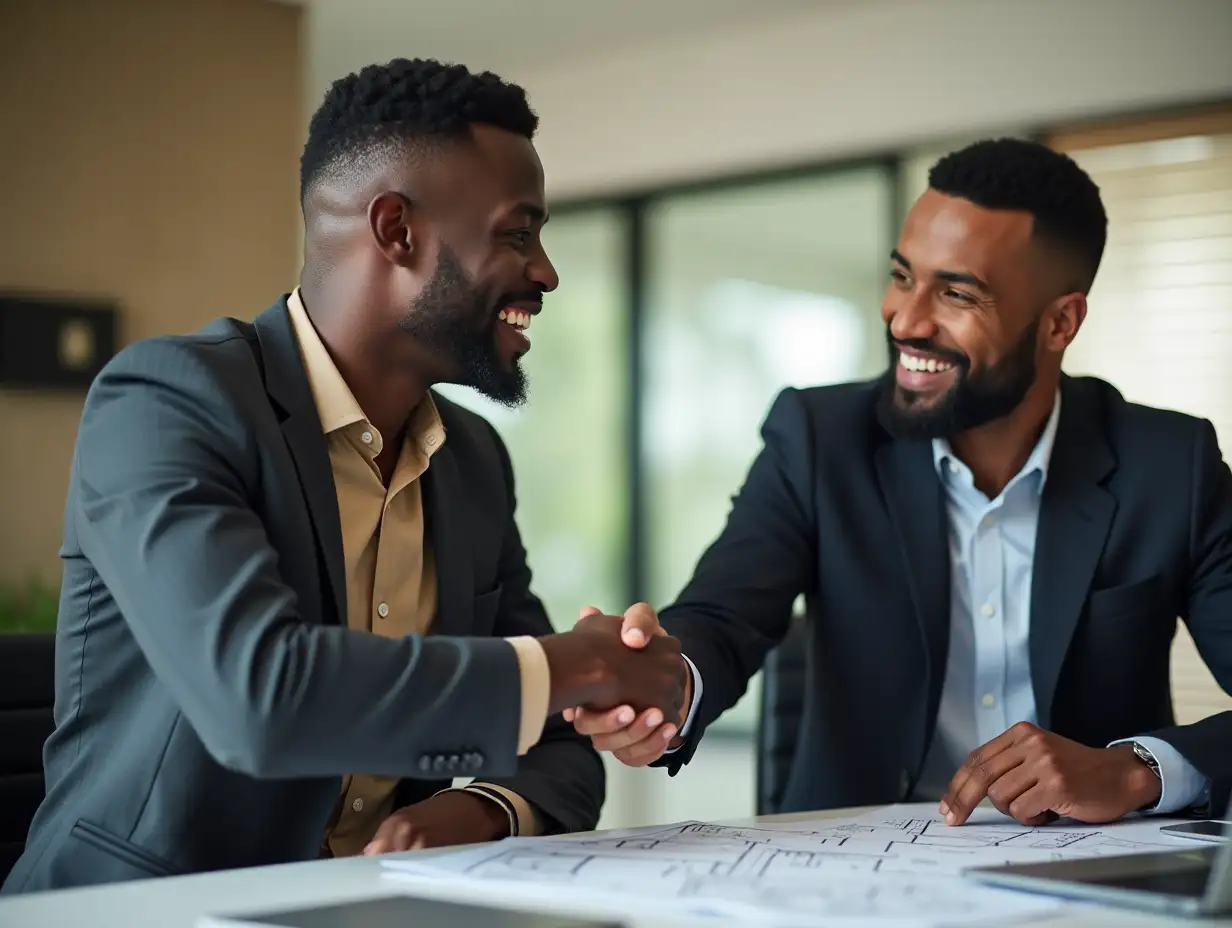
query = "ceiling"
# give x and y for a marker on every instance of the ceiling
(514, 36)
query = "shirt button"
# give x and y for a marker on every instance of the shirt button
(358, 805)
(990, 521)
(989, 700)
(431, 440)
(989, 610)
(367, 437)
(382, 610)
(953, 465)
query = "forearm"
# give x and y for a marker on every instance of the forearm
(561, 778)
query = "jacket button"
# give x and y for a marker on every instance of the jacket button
(425, 763)
(438, 763)
(453, 763)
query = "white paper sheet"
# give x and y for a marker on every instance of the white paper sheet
(901, 864)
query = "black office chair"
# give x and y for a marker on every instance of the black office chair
(27, 694)
(782, 708)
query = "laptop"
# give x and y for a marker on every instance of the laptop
(1195, 882)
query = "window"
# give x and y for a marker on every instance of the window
(1160, 321)
(750, 290)
(568, 442)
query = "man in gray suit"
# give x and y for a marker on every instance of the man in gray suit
(295, 602)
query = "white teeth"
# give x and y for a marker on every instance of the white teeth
(514, 318)
(926, 365)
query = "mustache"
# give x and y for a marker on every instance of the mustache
(929, 347)
(521, 296)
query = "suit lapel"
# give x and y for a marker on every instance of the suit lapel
(1075, 515)
(287, 383)
(916, 507)
(446, 507)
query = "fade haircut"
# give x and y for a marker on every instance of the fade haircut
(1014, 174)
(386, 109)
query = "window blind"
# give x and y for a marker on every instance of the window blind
(1159, 325)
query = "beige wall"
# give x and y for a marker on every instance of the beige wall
(148, 154)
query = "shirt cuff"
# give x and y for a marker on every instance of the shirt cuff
(697, 698)
(536, 690)
(523, 822)
(1181, 785)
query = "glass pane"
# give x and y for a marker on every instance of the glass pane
(751, 290)
(567, 443)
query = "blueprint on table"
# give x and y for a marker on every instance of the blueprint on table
(901, 864)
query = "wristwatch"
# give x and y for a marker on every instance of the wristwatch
(1148, 758)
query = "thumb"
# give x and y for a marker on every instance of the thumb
(639, 624)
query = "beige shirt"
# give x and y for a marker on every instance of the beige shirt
(390, 571)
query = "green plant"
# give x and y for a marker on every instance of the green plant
(28, 607)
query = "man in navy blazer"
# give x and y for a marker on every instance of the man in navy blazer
(994, 555)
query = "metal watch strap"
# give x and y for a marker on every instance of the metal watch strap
(1147, 758)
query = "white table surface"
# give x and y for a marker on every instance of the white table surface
(178, 902)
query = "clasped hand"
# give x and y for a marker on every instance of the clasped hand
(635, 739)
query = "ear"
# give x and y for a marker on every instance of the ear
(1063, 320)
(389, 220)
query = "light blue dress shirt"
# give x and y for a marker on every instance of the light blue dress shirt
(987, 686)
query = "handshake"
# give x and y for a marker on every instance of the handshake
(622, 681)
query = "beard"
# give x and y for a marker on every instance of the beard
(972, 400)
(453, 320)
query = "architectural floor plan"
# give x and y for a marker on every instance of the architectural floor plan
(901, 863)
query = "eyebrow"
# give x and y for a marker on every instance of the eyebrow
(953, 277)
(534, 213)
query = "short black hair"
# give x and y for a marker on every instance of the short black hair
(407, 101)
(1016, 174)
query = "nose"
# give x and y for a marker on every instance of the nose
(541, 273)
(909, 316)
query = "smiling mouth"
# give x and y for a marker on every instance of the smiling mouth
(516, 318)
(918, 372)
(923, 364)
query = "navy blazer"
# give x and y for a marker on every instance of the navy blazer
(1135, 531)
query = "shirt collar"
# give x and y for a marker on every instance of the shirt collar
(336, 404)
(1037, 461)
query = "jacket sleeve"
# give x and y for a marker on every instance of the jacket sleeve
(1209, 616)
(165, 474)
(737, 606)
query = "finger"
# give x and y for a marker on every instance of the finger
(633, 736)
(640, 624)
(1002, 742)
(588, 611)
(568, 714)
(1010, 786)
(393, 835)
(983, 767)
(1034, 807)
(606, 723)
(649, 749)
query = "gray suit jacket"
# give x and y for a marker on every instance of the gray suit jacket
(209, 696)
